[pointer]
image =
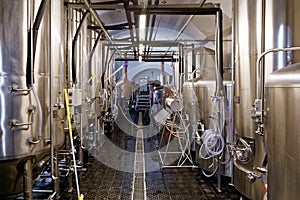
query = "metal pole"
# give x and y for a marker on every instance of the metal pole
(53, 173)
(27, 180)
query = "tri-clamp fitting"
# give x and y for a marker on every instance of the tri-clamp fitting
(257, 116)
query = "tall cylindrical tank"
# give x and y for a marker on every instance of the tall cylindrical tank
(199, 107)
(248, 23)
(281, 30)
(259, 26)
(19, 114)
(283, 133)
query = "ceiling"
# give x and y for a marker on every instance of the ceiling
(162, 32)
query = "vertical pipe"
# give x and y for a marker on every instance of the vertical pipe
(220, 41)
(185, 63)
(56, 180)
(53, 174)
(162, 69)
(193, 59)
(27, 180)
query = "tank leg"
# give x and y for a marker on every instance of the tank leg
(56, 174)
(27, 180)
(69, 163)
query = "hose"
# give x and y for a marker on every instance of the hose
(212, 140)
(212, 143)
(80, 196)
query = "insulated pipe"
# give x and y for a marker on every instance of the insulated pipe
(73, 46)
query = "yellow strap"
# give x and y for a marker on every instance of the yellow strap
(68, 112)
(80, 197)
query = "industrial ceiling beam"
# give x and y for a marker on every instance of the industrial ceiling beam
(121, 26)
(167, 10)
(96, 6)
(172, 10)
(114, 6)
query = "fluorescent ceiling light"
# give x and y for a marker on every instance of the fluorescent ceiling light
(142, 21)
(142, 26)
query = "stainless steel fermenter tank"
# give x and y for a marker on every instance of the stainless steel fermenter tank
(22, 120)
(198, 105)
(283, 133)
(248, 45)
(259, 26)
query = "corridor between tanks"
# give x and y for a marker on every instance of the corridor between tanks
(102, 182)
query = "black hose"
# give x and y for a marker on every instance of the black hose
(94, 49)
(73, 46)
(36, 26)
(28, 64)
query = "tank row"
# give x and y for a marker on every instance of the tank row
(231, 102)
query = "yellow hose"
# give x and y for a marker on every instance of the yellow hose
(68, 112)
(80, 196)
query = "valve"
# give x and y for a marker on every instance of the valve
(257, 110)
(251, 177)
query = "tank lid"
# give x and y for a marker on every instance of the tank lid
(285, 77)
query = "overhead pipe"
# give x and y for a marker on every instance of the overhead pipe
(147, 28)
(92, 11)
(85, 15)
(112, 27)
(185, 25)
(171, 10)
(128, 16)
(152, 26)
(136, 20)
(107, 5)
(158, 24)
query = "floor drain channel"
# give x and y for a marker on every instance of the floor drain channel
(139, 184)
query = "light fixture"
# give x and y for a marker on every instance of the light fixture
(142, 34)
(142, 26)
(142, 22)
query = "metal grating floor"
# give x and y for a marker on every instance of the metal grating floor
(102, 183)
